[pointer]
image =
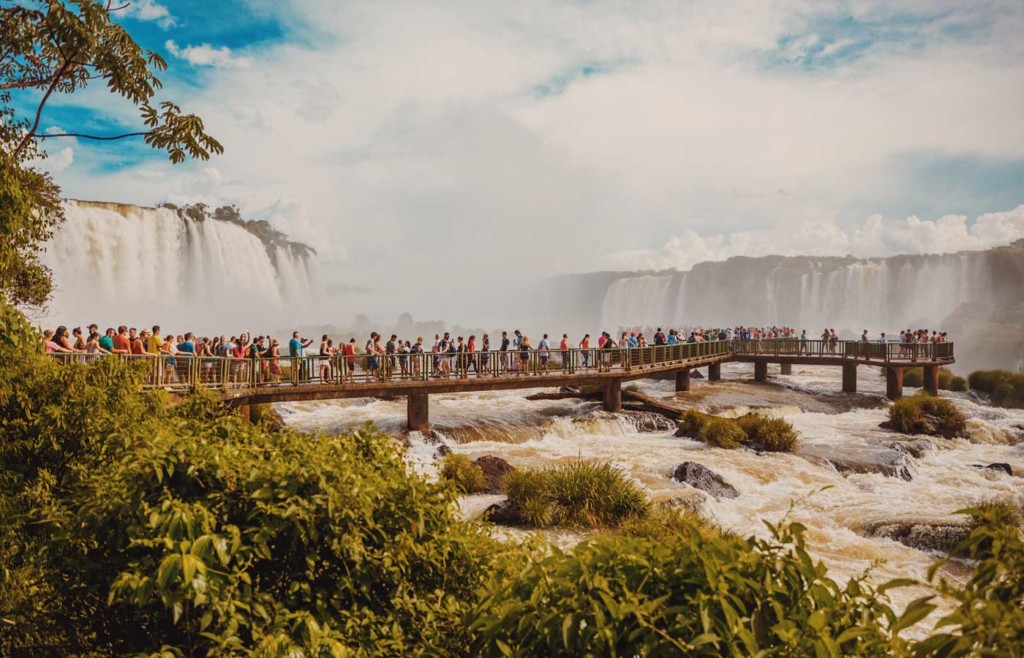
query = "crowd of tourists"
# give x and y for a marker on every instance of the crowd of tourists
(511, 354)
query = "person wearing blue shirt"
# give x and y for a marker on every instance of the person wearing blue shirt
(296, 349)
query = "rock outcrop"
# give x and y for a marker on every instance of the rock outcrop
(701, 477)
(495, 469)
(922, 534)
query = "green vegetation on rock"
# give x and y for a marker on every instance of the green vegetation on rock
(751, 430)
(915, 377)
(1004, 387)
(926, 414)
(462, 472)
(584, 494)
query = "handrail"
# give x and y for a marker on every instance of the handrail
(844, 349)
(186, 372)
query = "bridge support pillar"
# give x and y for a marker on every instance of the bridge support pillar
(714, 372)
(245, 413)
(785, 368)
(683, 380)
(850, 378)
(613, 396)
(418, 412)
(761, 371)
(894, 383)
(931, 380)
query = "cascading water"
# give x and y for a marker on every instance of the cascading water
(843, 293)
(122, 264)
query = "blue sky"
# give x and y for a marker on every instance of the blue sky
(644, 135)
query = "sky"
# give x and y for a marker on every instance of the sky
(434, 153)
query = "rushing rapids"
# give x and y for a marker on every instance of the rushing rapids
(855, 485)
(118, 263)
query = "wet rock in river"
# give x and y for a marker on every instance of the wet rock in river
(442, 451)
(998, 466)
(495, 469)
(891, 460)
(922, 534)
(648, 421)
(501, 514)
(701, 477)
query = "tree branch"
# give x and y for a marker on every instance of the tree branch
(96, 137)
(39, 110)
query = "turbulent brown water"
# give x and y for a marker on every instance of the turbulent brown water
(848, 476)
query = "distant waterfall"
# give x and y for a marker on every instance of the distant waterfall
(847, 294)
(115, 263)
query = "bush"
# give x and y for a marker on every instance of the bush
(1004, 387)
(925, 414)
(958, 384)
(695, 595)
(722, 433)
(585, 494)
(914, 377)
(752, 430)
(466, 475)
(768, 434)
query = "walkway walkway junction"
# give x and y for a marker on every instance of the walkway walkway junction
(244, 382)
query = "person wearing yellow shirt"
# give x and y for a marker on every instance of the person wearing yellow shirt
(154, 342)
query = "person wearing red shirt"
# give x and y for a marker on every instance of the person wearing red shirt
(122, 345)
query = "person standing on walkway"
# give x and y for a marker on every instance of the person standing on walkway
(544, 353)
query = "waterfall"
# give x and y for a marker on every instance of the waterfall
(847, 294)
(639, 300)
(121, 264)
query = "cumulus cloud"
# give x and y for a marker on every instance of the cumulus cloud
(207, 55)
(149, 10)
(877, 236)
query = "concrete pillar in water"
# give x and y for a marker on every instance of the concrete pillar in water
(245, 412)
(714, 372)
(418, 412)
(850, 377)
(786, 369)
(761, 371)
(613, 396)
(931, 380)
(683, 380)
(894, 383)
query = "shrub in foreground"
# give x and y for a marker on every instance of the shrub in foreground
(689, 595)
(1005, 388)
(926, 414)
(466, 475)
(584, 493)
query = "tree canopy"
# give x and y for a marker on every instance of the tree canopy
(50, 47)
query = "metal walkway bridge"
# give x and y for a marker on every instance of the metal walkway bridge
(244, 382)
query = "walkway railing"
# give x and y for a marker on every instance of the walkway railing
(847, 349)
(183, 372)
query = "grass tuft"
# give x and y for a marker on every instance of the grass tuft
(925, 414)
(583, 494)
(466, 475)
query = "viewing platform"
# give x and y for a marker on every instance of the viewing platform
(248, 381)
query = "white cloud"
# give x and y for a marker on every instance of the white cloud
(876, 237)
(206, 55)
(417, 140)
(150, 10)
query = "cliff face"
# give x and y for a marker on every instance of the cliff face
(848, 294)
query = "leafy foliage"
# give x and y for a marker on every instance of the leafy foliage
(768, 434)
(584, 493)
(467, 476)
(989, 615)
(925, 414)
(694, 595)
(52, 47)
